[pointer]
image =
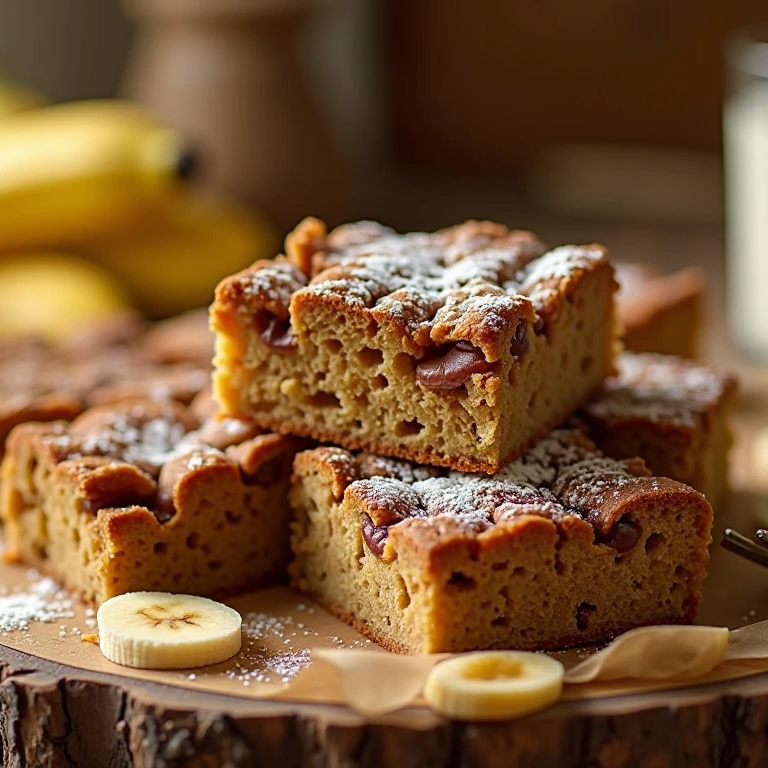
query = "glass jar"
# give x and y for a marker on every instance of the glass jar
(745, 149)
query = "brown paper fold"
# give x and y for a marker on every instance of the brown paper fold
(376, 683)
(750, 642)
(656, 653)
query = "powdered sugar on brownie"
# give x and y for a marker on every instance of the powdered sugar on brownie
(434, 267)
(273, 281)
(147, 435)
(142, 434)
(477, 270)
(559, 264)
(562, 475)
(660, 388)
(372, 465)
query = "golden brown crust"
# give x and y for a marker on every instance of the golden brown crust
(267, 285)
(132, 497)
(441, 348)
(340, 467)
(565, 476)
(304, 242)
(465, 283)
(562, 548)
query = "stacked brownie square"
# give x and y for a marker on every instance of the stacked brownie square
(115, 476)
(452, 511)
(480, 482)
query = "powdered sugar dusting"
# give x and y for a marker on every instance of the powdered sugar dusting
(372, 465)
(276, 647)
(559, 264)
(661, 389)
(141, 434)
(146, 435)
(272, 282)
(562, 475)
(480, 270)
(542, 280)
(43, 602)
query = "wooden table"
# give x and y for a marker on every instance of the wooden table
(52, 715)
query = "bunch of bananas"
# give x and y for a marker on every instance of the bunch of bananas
(96, 216)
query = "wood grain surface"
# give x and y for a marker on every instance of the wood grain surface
(52, 715)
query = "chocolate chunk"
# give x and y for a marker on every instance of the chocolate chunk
(375, 536)
(623, 537)
(538, 325)
(519, 343)
(453, 368)
(583, 612)
(278, 335)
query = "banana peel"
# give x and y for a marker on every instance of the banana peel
(174, 262)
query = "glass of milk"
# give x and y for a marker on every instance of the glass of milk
(745, 147)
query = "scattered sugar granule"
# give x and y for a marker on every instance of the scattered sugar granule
(44, 603)
(257, 664)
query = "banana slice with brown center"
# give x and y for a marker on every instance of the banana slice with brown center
(159, 630)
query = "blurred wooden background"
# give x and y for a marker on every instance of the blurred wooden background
(482, 86)
(610, 108)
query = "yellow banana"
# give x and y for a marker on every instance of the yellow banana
(51, 294)
(174, 262)
(73, 172)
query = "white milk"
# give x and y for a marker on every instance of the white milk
(745, 138)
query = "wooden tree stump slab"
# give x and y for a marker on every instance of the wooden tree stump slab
(54, 715)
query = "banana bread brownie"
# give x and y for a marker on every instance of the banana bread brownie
(138, 497)
(660, 313)
(562, 547)
(448, 348)
(118, 358)
(672, 413)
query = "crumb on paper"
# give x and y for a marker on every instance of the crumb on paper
(90, 638)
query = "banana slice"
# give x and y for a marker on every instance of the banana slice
(158, 630)
(494, 685)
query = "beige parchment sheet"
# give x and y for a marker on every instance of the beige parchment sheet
(295, 651)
